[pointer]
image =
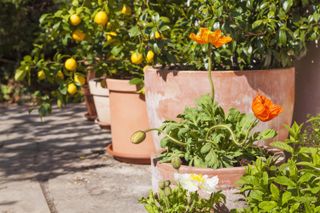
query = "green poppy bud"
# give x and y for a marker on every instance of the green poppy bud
(176, 162)
(138, 137)
(167, 183)
(162, 185)
(167, 191)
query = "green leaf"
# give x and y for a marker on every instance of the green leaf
(20, 74)
(267, 134)
(206, 148)
(275, 192)
(282, 146)
(286, 196)
(305, 177)
(134, 31)
(283, 180)
(267, 205)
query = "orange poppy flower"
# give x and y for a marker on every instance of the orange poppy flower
(206, 36)
(264, 109)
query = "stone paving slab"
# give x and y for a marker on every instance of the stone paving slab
(59, 165)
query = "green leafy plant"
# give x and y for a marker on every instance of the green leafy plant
(171, 199)
(292, 187)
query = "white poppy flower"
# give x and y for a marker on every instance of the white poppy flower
(195, 182)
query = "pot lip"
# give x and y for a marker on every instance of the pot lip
(96, 89)
(160, 69)
(184, 168)
(121, 85)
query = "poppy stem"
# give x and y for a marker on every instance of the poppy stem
(221, 126)
(166, 135)
(210, 71)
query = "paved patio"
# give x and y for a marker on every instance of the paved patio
(59, 165)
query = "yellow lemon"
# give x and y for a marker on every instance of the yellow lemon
(126, 10)
(75, 20)
(79, 79)
(41, 75)
(150, 56)
(71, 64)
(60, 75)
(72, 89)
(78, 35)
(110, 35)
(136, 58)
(101, 18)
(157, 35)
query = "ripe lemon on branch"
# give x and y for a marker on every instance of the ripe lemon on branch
(71, 64)
(75, 20)
(60, 75)
(72, 89)
(126, 10)
(41, 75)
(101, 18)
(78, 35)
(79, 79)
(150, 56)
(136, 58)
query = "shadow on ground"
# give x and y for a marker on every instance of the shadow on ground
(40, 150)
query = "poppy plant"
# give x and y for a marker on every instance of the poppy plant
(264, 109)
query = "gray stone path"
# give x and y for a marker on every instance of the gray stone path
(58, 165)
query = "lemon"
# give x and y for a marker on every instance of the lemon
(71, 64)
(60, 75)
(150, 56)
(126, 10)
(79, 79)
(72, 89)
(110, 35)
(101, 18)
(78, 35)
(136, 58)
(157, 35)
(75, 20)
(41, 75)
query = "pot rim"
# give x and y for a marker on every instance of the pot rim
(165, 69)
(120, 85)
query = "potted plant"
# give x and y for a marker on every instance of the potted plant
(268, 38)
(207, 140)
(292, 187)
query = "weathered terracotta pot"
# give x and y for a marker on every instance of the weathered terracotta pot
(101, 101)
(168, 92)
(91, 113)
(228, 177)
(128, 114)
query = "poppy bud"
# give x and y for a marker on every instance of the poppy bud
(138, 137)
(167, 191)
(167, 183)
(162, 185)
(176, 162)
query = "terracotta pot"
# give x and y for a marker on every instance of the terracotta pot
(128, 114)
(101, 101)
(227, 176)
(168, 92)
(91, 113)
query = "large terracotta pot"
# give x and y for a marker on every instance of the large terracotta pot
(101, 101)
(228, 177)
(128, 114)
(168, 92)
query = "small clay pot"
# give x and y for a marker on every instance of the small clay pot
(102, 103)
(128, 114)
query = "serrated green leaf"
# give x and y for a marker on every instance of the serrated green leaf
(283, 146)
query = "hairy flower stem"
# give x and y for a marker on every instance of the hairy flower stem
(234, 140)
(166, 135)
(210, 71)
